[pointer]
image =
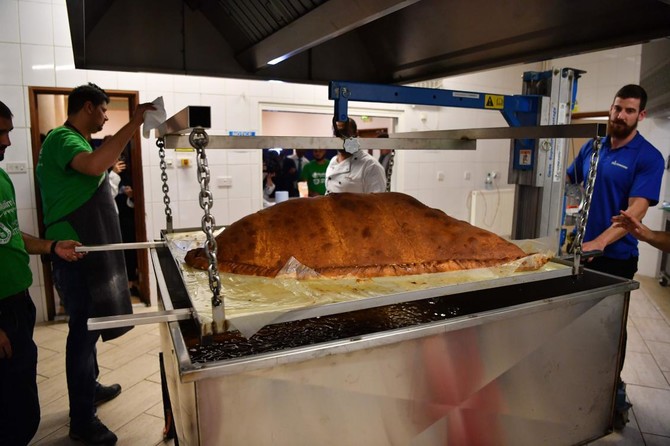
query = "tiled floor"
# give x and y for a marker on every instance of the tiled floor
(647, 368)
(137, 414)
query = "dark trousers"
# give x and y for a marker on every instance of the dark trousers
(81, 364)
(620, 268)
(19, 404)
(616, 267)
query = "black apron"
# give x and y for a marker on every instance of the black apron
(97, 223)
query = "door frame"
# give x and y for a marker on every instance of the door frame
(132, 98)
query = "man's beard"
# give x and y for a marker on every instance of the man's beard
(619, 129)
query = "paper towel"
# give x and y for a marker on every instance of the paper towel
(154, 118)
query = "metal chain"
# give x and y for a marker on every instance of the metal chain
(390, 171)
(199, 139)
(160, 142)
(585, 205)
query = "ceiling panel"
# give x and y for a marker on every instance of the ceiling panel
(382, 41)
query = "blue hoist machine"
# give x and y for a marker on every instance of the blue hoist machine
(537, 129)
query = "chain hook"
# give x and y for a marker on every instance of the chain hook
(199, 140)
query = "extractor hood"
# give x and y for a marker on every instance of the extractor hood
(380, 41)
(655, 77)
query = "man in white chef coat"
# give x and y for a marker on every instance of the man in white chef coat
(353, 170)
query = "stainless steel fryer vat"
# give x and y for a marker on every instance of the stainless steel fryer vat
(531, 363)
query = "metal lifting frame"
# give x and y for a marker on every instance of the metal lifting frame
(517, 110)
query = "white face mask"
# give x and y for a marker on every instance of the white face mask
(351, 145)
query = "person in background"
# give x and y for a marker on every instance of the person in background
(354, 170)
(385, 157)
(78, 204)
(271, 166)
(657, 239)
(19, 403)
(314, 173)
(299, 159)
(286, 178)
(629, 176)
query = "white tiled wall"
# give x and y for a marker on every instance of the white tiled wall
(36, 51)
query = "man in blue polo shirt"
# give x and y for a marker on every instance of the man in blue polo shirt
(628, 178)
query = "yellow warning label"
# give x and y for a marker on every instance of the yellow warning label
(494, 101)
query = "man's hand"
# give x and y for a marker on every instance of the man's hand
(140, 110)
(119, 167)
(631, 224)
(5, 346)
(65, 250)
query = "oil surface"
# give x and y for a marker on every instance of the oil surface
(323, 329)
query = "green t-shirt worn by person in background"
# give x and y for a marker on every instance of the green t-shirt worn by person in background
(63, 189)
(15, 274)
(315, 175)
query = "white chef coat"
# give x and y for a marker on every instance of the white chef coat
(358, 173)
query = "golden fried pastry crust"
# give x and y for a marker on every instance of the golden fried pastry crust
(361, 235)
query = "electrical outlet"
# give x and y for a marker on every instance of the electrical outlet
(16, 167)
(440, 176)
(490, 176)
(466, 175)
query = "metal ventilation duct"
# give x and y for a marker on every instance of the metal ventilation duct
(382, 41)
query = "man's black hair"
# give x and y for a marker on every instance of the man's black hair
(635, 92)
(5, 112)
(83, 94)
(350, 129)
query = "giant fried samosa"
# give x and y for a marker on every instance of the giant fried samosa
(360, 235)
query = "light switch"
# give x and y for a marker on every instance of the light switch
(224, 181)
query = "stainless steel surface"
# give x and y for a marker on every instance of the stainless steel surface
(100, 323)
(186, 120)
(542, 131)
(119, 246)
(543, 372)
(349, 39)
(311, 142)
(462, 139)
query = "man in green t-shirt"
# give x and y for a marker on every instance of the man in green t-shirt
(19, 404)
(314, 173)
(77, 203)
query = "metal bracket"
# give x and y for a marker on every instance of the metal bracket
(130, 320)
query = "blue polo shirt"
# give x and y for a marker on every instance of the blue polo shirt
(634, 170)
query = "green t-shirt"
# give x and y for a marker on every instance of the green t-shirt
(63, 189)
(315, 175)
(15, 274)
